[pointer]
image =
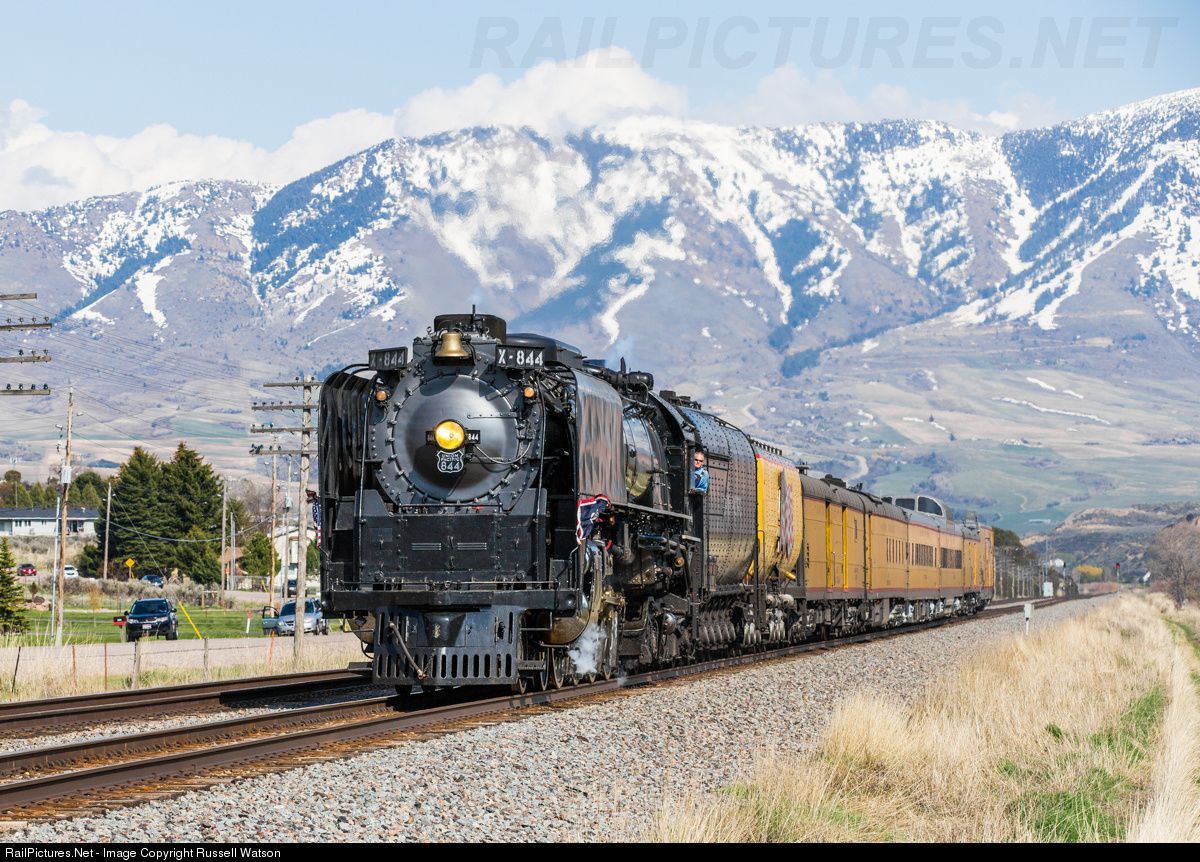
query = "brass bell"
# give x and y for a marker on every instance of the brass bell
(450, 346)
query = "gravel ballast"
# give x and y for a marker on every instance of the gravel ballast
(594, 772)
(143, 724)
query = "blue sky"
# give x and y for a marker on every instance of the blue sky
(253, 74)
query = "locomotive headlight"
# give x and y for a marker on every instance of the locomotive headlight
(449, 435)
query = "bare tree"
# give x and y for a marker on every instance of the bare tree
(1176, 556)
(255, 498)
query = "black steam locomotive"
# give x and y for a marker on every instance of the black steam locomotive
(500, 510)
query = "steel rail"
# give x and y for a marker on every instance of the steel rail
(59, 756)
(93, 780)
(107, 706)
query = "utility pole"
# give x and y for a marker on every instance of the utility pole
(287, 531)
(224, 495)
(65, 481)
(232, 550)
(54, 567)
(272, 557)
(302, 518)
(306, 406)
(107, 530)
(21, 324)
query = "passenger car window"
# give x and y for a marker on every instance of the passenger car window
(930, 507)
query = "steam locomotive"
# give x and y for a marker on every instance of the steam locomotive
(500, 510)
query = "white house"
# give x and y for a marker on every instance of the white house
(44, 522)
(287, 546)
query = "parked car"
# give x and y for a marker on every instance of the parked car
(27, 570)
(153, 580)
(151, 617)
(70, 572)
(314, 619)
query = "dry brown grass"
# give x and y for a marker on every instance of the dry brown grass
(1172, 812)
(1059, 736)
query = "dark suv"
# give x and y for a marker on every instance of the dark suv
(151, 617)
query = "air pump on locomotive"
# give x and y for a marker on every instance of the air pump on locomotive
(500, 510)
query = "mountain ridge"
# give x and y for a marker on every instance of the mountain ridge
(726, 259)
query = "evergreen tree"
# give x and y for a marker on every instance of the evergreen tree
(91, 560)
(34, 497)
(47, 494)
(12, 600)
(192, 494)
(196, 557)
(88, 490)
(193, 490)
(260, 558)
(10, 488)
(141, 522)
(23, 497)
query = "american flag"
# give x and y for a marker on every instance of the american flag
(588, 512)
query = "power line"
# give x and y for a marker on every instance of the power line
(81, 333)
(163, 381)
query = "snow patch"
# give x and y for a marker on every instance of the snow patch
(1040, 409)
(146, 286)
(637, 257)
(387, 311)
(91, 314)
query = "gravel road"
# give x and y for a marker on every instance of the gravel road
(591, 773)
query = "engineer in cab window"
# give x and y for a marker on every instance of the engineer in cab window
(699, 474)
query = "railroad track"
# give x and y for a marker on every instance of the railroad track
(111, 772)
(66, 712)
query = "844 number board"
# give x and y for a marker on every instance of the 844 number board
(520, 357)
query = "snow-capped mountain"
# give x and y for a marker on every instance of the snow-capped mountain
(795, 277)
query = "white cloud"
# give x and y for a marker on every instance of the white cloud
(785, 97)
(41, 166)
(600, 87)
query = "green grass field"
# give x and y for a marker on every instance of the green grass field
(82, 626)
